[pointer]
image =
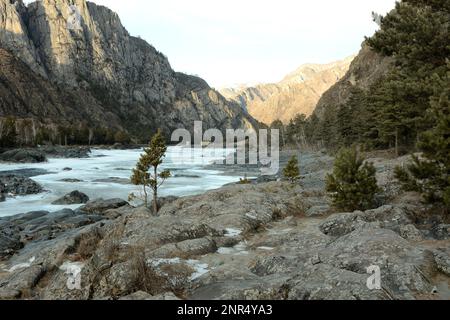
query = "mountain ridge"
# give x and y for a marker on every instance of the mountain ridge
(114, 73)
(297, 93)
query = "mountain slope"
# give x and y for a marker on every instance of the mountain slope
(116, 80)
(297, 93)
(367, 67)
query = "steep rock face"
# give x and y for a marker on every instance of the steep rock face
(14, 34)
(26, 95)
(77, 46)
(366, 69)
(297, 93)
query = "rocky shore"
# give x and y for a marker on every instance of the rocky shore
(269, 240)
(40, 154)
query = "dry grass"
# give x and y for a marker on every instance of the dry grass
(88, 243)
(144, 277)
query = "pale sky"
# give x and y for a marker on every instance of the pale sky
(230, 42)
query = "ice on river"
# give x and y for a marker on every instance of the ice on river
(189, 177)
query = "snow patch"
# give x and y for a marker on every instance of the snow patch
(199, 268)
(231, 233)
(251, 216)
(70, 266)
(21, 266)
(265, 248)
(158, 262)
(238, 250)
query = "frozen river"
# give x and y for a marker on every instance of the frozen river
(188, 178)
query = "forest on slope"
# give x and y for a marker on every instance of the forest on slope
(389, 97)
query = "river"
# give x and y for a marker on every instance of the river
(188, 178)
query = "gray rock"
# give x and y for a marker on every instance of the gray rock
(99, 206)
(66, 152)
(163, 201)
(410, 232)
(28, 173)
(238, 242)
(19, 185)
(71, 180)
(10, 240)
(23, 156)
(2, 192)
(75, 197)
(442, 231)
(389, 217)
(442, 262)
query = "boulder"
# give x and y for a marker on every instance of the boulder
(9, 239)
(68, 180)
(442, 231)
(410, 232)
(27, 172)
(2, 192)
(19, 185)
(66, 152)
(23, 156)
(163, 201)
(75, 197)
(442, 262)
(99, 206)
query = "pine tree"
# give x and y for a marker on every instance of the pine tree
(353, 184)
(278, 125)
(417, 35)
(430, 173)
(150, 160)
(292, 172)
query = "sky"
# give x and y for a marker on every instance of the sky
(230, 42)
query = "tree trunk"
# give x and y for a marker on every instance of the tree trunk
(396, 142)
(155, 201)
(155, 192)
(145, 197)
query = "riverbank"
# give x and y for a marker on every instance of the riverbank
(104, 174)
(269, 240)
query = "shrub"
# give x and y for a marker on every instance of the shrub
(292, 172)
(353, 184)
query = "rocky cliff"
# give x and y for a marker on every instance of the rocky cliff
(297, 93)
(72, 60)
(365, 70)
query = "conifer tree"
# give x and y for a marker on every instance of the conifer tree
(146, 172)
(353, 184)
(430, 173)
(292, 172)
(417, 35)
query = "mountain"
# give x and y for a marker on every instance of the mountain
(367, 68)
(297, 93)
(71, 62)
